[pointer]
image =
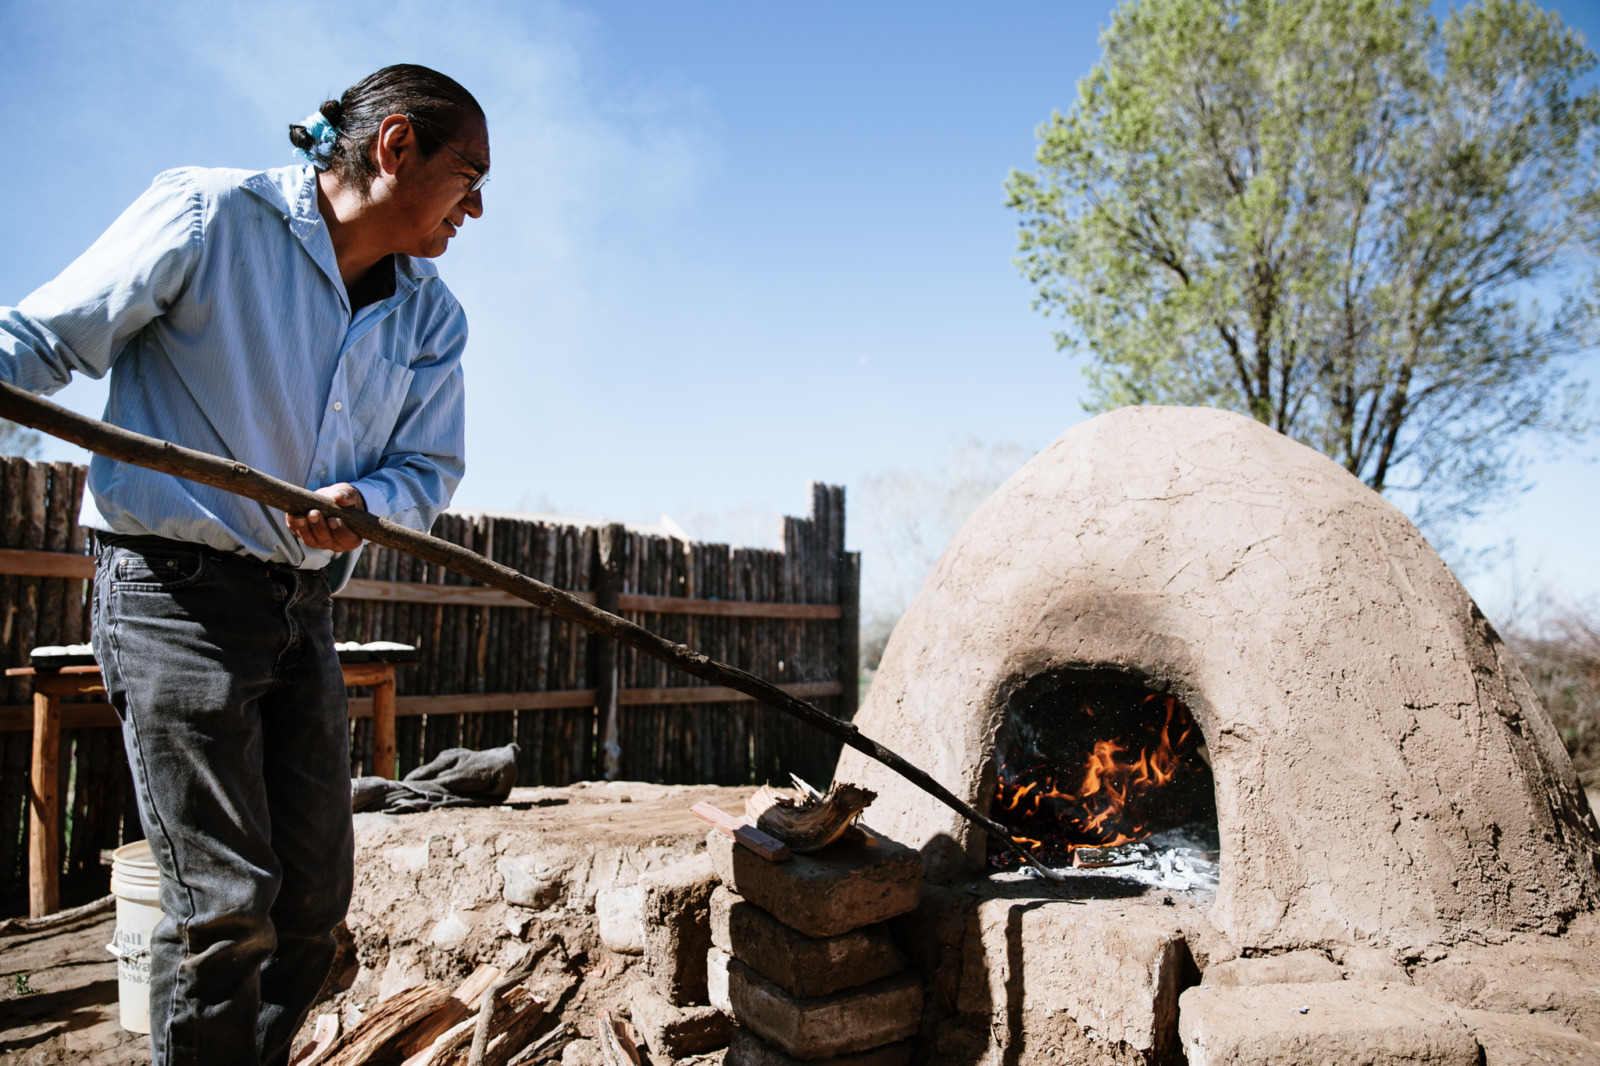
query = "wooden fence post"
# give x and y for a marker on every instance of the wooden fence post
(610, 542)
(848, 671)
(44, 828)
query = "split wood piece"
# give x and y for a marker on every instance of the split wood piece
(322, 1038)
(445, 1045)
(810, 823)
(125, 446)
(513, 1034)
(515, 1016)
(763, 845)
(616, 1043)
(546, 1047)
(463, 1001)
(383, 1025)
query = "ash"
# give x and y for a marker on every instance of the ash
(1176, 860)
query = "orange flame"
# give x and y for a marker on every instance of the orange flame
(1097, 812)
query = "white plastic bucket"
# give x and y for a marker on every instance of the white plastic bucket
(136, 884)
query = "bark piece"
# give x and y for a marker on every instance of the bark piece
(809, 823)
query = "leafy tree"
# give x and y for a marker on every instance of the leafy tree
(18, 440)
(1337, 217)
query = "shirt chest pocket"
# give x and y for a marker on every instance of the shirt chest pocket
(378, 404)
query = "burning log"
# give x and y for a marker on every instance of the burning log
(1118, 855)
(1126, 763)
(810, 823)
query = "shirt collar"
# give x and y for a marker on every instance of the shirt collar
(293, 191)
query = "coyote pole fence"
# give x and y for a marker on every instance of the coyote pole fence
(125, 446)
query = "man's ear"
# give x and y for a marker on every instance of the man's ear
(396, 140)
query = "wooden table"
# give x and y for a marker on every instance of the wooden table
(49, 685)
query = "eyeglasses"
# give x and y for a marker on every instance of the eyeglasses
(480, 175)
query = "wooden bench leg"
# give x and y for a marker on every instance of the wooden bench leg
(383, 747)
(44, 840)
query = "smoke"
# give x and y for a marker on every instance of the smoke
(903, 519)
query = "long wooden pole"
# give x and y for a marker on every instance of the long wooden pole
(125, 446)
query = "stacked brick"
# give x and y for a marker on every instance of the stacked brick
(802, 958)
(670, 1008)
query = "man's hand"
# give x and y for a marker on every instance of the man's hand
(316, 530)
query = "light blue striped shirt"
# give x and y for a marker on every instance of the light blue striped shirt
(215, 302)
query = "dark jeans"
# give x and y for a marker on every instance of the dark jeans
(234, 716)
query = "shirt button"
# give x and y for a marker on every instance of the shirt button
(337, 406)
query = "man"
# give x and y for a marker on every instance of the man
(288, 319)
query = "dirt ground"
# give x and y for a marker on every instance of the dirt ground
(429, 905)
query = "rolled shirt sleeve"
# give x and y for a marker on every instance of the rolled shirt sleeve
(81, 320)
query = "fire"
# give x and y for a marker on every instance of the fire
(1114, 793)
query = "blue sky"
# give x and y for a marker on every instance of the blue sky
(727, 247)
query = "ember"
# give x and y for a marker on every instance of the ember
(1095, 759)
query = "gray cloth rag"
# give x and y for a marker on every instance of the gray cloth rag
(459, 777)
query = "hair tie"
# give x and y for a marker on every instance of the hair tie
(325, 134)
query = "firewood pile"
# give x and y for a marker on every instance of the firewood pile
(490, 1019)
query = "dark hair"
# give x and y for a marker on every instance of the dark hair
(436, 105)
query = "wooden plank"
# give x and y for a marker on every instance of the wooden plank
(65, 564)
(768, 847)
(364, 674)
(634, 697)
(23, 563)
(474, 596)
(478, 703)
(487, 702)
(728, 608)
(18, 717)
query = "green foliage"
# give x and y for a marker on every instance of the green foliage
(1563, 666)
(1333, 217)
(17, 440)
